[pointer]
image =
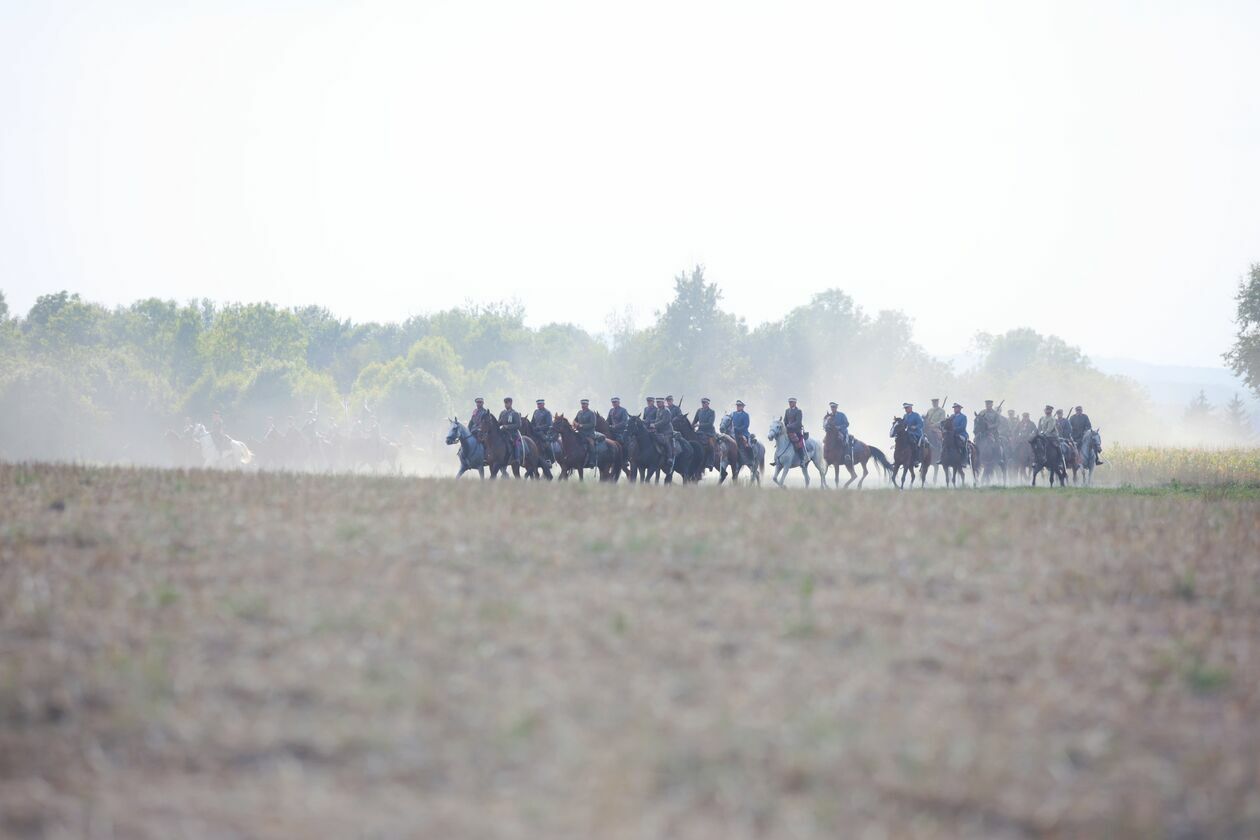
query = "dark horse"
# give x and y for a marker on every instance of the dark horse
(573, 453)
(954, 456)
(645, 459)
(499, 455)
(1048, 456)
(545, 452)
(990, 457)
(690, 462)
(835, 455)
(904, 452)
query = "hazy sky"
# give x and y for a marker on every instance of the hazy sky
(1089, 169)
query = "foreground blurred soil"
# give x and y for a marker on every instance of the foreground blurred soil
(220, 655)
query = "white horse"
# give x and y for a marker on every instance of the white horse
(1091, 445)
(236, 455)
(472, 455)
(785, 457)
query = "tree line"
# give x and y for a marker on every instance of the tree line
(80, 380)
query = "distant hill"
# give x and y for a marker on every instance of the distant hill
(1176, 385)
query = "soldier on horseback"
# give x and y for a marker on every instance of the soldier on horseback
(618, 419)
(794, 425)
(914, 430)
(1025, 428)
(221, 441)
(541, 422)
(933, 416)
(663, 425)
(704, 424)
(474, 422)
(1006, 425)
(584, 422)
(958, 425)
(1048, 427)
(836, 419)
(1079, 422)
(510, 425)
(740, 426)
(987, 420)
(674, 410)
(649, 413)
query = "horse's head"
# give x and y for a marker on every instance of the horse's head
(776, 428)
(456, 432)
(725, 426)
(898, 424)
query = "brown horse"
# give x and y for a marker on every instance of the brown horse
(601, 426)
(544, 447)
(904, 452)
(499, 455)
(573, 453)
(835, 455)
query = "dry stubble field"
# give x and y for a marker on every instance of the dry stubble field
(199, 654)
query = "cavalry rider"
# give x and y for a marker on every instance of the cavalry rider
(1025, 428)
(1063, 427)
(933, 416)
(541, 423)
(584, 422)
(674, 410)
(704, 425)
(649, 413)
(794, 424)
(740, 425)
(510, 425)
(221, 441)
(958, 425)
(663, 425)
(618, 419)
(1006, 425)
(1080, 424)
(987, 420)
(913, 423)
(836, 419)
(1046, 425)
(474, 422)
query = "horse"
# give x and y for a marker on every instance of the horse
(937, 439)
(601, 426)
(573, 453)
(954, 458)
(546, 449)
(1048, 456)
(836, 456)
(733, 457)
(1091, 448)
(1020, 457)
(690, 461)
(472, 455)
(646, 462)
(237, 455)
(989, 457)
(904, 452)
(786, 458)
(1072, 460)
(499, 452)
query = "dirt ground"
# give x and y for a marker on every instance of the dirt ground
(221, 655)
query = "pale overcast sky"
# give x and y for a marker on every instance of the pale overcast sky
(1090, 169)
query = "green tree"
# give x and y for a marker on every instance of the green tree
(63, 322)
(1244, 357)
(243, 336)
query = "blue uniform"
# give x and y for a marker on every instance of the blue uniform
(840, 423)
(914, 425)
(960, 424)
(740, 423)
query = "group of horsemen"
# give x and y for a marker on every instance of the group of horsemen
(1062, 431)
(659, 414)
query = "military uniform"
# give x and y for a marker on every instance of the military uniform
(913, 422)
(584, 422)
(663, 425)
(838, 420)
(1080, 425)
(1025, 429)
(474, 422)
(740, 426)
(987, 422)
(1047, 426)
(933, 417)
(618, 419)
(794, 424)
(649, 413)
(541, 421)
(510, 425)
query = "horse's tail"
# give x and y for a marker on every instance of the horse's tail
(882, 460)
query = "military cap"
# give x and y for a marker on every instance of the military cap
(791, 399)
(584, 402)
(670, 397)
(480, 399)
(907, 405)
(1049, 408)
(988, 402)
(507, 399)
(616, 399)
(704, 399)
(540, 400)
(739, 402)
(834, 405)
(957, 405)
